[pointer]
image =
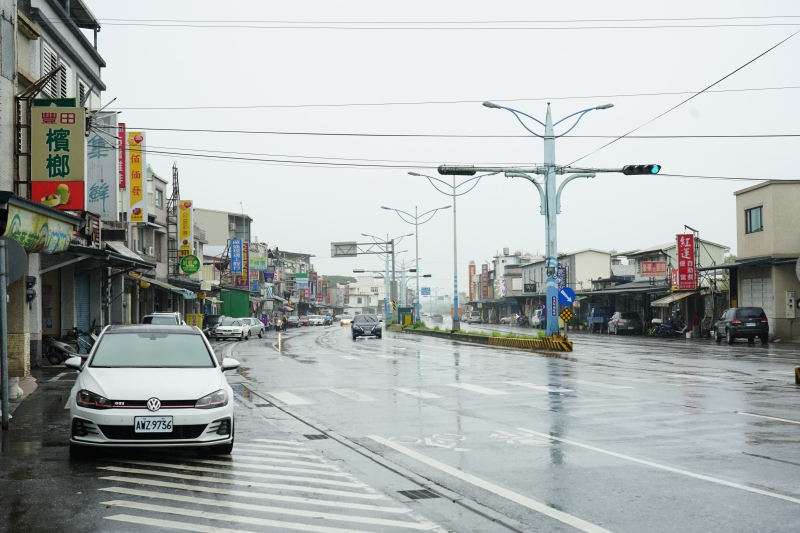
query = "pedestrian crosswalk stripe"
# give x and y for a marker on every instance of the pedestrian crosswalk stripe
(349, 357)
(418, 393)
(240, 465)
(248, 494)
(240, 472)
(538, 387)
(249, 458)
(278, 510)
(285, 442)
(288, 398)
(253, 448)
(275, 447)
(476, 388)
(353, 395)
(198, 528)
(207, 479)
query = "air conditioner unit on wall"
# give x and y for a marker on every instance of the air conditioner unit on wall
(232, 226)
(150, 250)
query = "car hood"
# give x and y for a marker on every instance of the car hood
(145, 383)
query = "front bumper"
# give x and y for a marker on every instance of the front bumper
(228, 334)
(115, 427)
(377, 332)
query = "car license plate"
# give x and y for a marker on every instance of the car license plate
(751, 323)
(152, 424)
(631, 327)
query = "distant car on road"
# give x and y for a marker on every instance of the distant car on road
(164, 319)
(255, 325)
(366, 325)
(437, 318)
(599, 317)
(474, 317)
(304, 320)
(210, 323)
(316, 320)
(625, 322)
(346, 320)
(292, 321)
(232, 328)
(511, 319)
(742, 322)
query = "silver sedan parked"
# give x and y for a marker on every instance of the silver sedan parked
(255, 325)
(625, 322)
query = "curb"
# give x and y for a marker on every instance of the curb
(558, 344)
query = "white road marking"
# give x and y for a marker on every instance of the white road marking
(207, 479)
(596, 384)
(668, 468)
(280, 448)
(285, 442)
(353, 484)
(476, 388)
(278, 510)
(538, 387)
(238, 459)
(491, 487)
(418, 393)
(254, 495)
(652, 381)
(349, 357)
(770, 417)
(66, 405)
(266, 449)
(240, 465)
(288, 398)
(353, 395)
(59, 376)
(378, 355)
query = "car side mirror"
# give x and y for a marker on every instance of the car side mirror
(229, 363)
(74, 363)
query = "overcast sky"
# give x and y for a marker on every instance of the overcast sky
(304, 208)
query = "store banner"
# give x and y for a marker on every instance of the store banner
(137, 180)
(347, 295)
(101, 168)
(301, 281)
(258, 262)
(654, 269)
(37, 233)
(194, 320)
(236, 256)
(269, 274)
(123, 155)
(472, 269)
(185, 228)
(687, 272)
(673, 278)
(58, 150)
(484, 281)
(243, 279)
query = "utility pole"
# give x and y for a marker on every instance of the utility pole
(3, 336)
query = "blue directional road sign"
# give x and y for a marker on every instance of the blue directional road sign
(566, 296)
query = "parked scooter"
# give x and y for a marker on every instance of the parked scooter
(59, 351)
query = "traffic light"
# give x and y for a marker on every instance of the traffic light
(631, 170)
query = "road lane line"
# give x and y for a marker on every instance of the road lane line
(596, 384)
(539, 507)
(238, 458)
(668, 468)
(353, 484)
(240, 465)
(537, 387)
(770, 417)
(652, 381)
(284, 442)
(276, 510)
(288, 398)
(418, 393)
(476, 388)
(186, 526)
(59, 376)
(66, 405)
(254, 495)
(208, 479)
(353, 395)
(349, 357)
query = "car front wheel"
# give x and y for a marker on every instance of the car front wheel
(717, 336)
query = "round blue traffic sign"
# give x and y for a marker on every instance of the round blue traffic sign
(566, 296)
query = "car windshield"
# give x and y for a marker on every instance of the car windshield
(231, 322)
(293, 319)
(367, 318)
(630, 316)
(151, 350)
(751, 312)
(160, 320)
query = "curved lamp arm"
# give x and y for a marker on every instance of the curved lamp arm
(542, 197)
(567, 180)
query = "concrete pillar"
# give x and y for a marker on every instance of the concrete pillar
(136, 302)
(19, 336)
(117, 296)
(68, 317)
(35, 310)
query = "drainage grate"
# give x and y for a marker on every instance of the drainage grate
(263, 405)
(419, 494)
(315, 437)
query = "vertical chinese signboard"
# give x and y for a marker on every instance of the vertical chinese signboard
(484, 281)
(58, 147)
(123, 155)
(687, 271)
(137, 180)
(347, 294)
(243, 277)
(101, 168)
(472, 282)
(185, 228)
(236, 256)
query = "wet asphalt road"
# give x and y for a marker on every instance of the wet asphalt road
(625, 434)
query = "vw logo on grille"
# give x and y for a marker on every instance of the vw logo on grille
(153, 404)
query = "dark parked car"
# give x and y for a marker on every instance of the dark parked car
(625, 322)
(292, 322)
(364, 325)
(742, 322)
(210, 323)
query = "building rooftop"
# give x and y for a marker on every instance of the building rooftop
(766, 184)
(248, 217)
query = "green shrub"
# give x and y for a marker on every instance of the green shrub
(436, 328)
(496, 334)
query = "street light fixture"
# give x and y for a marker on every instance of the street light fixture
(388, 286)
(416, 216)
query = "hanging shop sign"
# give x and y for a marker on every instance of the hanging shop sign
(654, 269)
(190, 264)
(137, 181)
(243, 278)
(36, 232)
(201, 295)
(101, 168)
(122, 154)
(194, 320)
(236, 256)
(687, 270)
(258, 262)
(269, 273)
(185, 228)
(301, 281)
(58, 149)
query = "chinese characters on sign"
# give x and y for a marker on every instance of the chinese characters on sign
(123, 153)
(484, 281)
(236, 256)
(687, 270)
(137, 180)
(58, 148)
(101, 168)
(471, 284)
(243, 279)
(185, 228)
(654, 269)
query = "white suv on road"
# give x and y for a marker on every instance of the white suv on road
(316, 320)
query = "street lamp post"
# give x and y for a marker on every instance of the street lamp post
(416, 225)
(389, 287)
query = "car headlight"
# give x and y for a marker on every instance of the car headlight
(213, 400)
(91, 400)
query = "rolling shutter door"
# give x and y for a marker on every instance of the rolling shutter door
(82, 313)
(757, 292)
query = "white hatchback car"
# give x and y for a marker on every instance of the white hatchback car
(151, 386)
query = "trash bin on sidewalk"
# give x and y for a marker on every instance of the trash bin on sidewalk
(696, 332)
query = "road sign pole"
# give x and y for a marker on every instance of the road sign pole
(3, 335)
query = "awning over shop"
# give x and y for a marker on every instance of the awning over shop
(187, 294)
(751, 262)
(112, 258)
(36, 227)
(634, 287)
(674, 297)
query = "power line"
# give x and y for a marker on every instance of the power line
(444, 102)
(690, 98)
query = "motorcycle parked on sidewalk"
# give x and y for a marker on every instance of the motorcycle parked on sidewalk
(59, 351)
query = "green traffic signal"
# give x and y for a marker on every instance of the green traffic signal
(631, 170)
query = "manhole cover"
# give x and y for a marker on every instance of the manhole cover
(423, 494)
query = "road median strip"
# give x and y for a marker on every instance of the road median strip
(556, 344)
